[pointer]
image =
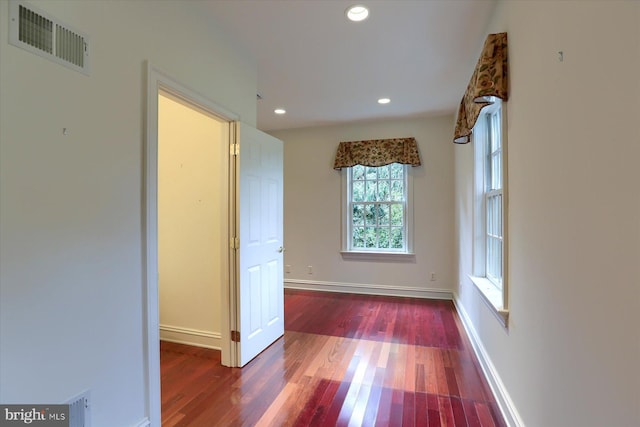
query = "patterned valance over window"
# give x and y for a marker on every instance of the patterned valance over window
(489, 79)
(377, 152)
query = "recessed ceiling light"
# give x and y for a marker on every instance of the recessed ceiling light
(357, 13)
(279, 111)
(384, 101)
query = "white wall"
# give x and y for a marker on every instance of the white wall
(192, 222)
(71, 219)
(570, 355)
(312, 192)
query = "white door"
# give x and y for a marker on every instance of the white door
(260, 256)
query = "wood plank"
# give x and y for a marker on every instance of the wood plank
(344, 360)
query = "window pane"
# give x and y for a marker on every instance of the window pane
(496, 170)
(396, 238)
(371, 191)
(496, 140)
(494, 243)
(370, 237)
(377, 208)
(358, 215)
(372, 173)
(397, 214)
(494, 259)
(397, 193)
(488, 173)
(499, 265)
(358, 237)
(396, 171)
(370, 215)
(498, 230)
(383, 238)
(489, 216)
(358, 172)
(383, 214)
(494, 215)
(383, 172)
(383, 191)
(358, 191)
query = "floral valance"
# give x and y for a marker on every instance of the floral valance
(489, 79)
(377, 152)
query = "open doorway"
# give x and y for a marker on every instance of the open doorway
(193, 222)
(251, 297)
(160, 84)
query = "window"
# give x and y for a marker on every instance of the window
(489, 223)
(493, 197)
(377, 211)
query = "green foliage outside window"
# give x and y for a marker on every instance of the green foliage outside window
(377, 207)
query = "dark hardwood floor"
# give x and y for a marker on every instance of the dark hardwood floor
(345, 360)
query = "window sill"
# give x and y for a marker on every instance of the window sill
(492, 297)
(378, 256)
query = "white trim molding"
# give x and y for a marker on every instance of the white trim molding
(493, 297)
(188, 336)
(506, 405)
(159, 81)
(379, 256)
(369, 289)
(144, 423)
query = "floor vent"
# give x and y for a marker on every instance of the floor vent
(40, 33)
(79, 411)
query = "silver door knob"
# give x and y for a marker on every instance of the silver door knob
(281, 249)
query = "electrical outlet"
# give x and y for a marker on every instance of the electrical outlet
(433, 276)
(309, 269)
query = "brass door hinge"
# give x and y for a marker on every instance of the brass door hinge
(235, 243)
(235, 336)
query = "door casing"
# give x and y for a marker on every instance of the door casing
(158, 81)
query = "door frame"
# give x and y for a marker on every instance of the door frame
(159, 81)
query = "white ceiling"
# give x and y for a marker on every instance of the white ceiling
(324, 69)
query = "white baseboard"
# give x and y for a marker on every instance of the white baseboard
(194, 337)
(507, 407)
(144, 423)
(368, 289)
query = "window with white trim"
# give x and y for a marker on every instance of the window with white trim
(489, 223)
(377, 215)
(493, 197)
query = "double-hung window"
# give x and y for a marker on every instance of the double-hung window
(377, 213)
(377, 216)
(489, 217)
(494, 241)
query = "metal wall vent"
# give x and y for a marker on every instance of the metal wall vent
(40, 33)
(79, 410)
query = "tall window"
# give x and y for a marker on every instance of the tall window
(493, 196)
(489, 219)
(377, 210)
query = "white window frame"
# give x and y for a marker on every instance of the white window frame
(349, 252)
(493, 289)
